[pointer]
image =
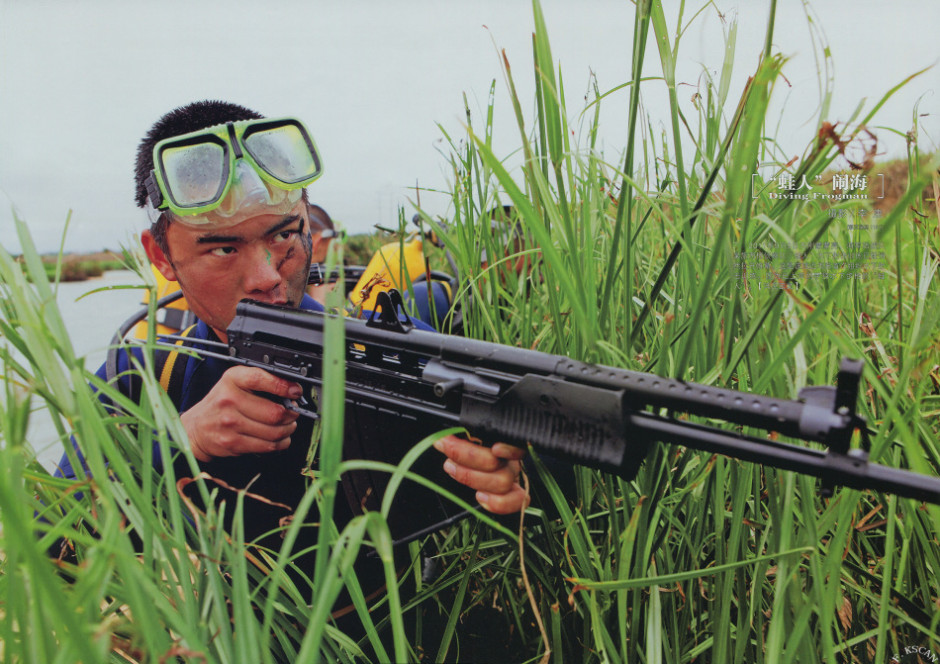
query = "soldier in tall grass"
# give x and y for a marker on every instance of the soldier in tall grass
(229, 220)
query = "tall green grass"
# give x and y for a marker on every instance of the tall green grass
(139, 573)
(632, 263)
(120, 564)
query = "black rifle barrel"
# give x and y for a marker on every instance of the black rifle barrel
(851, 470)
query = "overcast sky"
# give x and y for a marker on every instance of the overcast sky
(80, 82)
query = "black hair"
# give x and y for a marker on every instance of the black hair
(507, 215)
(183, 120)
(192, 117)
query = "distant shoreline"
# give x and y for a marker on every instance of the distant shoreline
(81, 267)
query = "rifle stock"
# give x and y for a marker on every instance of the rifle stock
(601, 417)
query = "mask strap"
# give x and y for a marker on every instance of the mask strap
(233, 141)
(154, 195)
(153, 214)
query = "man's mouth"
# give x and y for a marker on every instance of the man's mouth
(270, 299)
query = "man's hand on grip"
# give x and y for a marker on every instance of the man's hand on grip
(492, 471)
(234, 418)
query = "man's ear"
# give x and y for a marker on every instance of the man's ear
(157, 256)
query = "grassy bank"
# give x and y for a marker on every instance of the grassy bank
(80, 267)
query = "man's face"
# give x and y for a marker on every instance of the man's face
(265, 258)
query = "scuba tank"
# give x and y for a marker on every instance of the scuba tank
(395, 265)
(173, 316)
(402, 265)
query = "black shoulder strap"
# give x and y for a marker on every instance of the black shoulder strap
(167, 367)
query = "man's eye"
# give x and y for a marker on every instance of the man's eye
(284, 236)
(222, 251)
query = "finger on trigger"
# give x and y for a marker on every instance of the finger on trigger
(259, 380)
(267, 410)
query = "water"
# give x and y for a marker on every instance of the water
(91, 321)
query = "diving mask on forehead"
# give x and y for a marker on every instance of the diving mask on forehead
(225, 174)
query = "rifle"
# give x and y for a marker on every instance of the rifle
(597, 416)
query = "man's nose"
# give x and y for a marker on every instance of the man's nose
(262, 276)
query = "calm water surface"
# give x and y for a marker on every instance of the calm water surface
(91, 322)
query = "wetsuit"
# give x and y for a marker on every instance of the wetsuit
(277, 476)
